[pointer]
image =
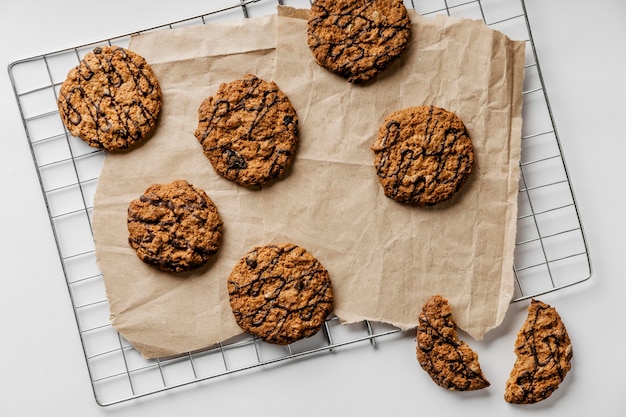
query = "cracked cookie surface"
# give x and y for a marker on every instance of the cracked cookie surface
(248, 130)
(357, 40)
(111, 100)
(423, 155)
(174, 227)
(449, 361)
(280, 293)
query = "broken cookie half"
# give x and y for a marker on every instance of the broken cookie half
(544, 354)
(449, 361)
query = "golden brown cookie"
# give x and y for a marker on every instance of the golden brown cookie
(111, 100)
(248, 130)
(174, 227)
(423, 155)
(449, 361)
(280, 293)
(544, 354)
(357, 39)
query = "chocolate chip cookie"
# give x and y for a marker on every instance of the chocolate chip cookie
(544, 354)
(174, 227)
(357, 39)
(423, 155)
(111, 100)
(280, 293)
(248, 130)
(449, 361)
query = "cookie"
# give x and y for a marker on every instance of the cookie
(544, 354)
(423, 155)
(450, 362)
(111, 100)
(248, 130)
(280, 293)
(357, 39)
(174, 227)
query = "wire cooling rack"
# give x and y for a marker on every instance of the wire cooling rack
(551, 250)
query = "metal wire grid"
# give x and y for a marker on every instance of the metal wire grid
(551, 250)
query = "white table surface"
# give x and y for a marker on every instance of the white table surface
(42, 368)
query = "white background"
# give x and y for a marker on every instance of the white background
(42, 368)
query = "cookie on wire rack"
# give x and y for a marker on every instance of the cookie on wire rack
(174, 227)
(248, 130)
(357, 39)
(111, 99)
(423, 155)
(280, 293)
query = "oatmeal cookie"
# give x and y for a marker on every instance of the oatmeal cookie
(423, 155)
(280, 293)
(248, 130)
(357, 39)
(174, 227)
(544, 354)
(449, 361)
(111, 100)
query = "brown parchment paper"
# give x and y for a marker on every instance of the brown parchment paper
(384, 258)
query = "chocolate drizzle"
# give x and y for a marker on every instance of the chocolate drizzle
(280, 293)
(248, 130)
(111, 99)
(358, 39)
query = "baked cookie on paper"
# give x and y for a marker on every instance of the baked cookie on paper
(423, 155)
(544, 354)
(111, 99)
(449, 361)
(174, 227)
(357, 39)
(280, 293)
(248, 130)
